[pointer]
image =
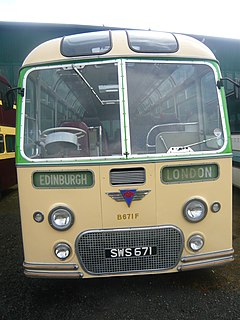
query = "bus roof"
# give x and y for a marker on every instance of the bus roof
(118, 43)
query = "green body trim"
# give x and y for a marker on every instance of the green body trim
(19, 158)
(124, 109)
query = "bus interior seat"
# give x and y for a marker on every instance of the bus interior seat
(84, 141)
(94, 122)
(176, 139)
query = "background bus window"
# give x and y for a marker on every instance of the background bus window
(10, 143)
(1, 143)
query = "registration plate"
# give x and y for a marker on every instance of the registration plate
(130, 252)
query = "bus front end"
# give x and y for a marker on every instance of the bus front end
(123, 157)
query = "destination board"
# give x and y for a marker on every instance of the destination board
(63, 179)
(191, 173)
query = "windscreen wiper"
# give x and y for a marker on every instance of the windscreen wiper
(188, 148)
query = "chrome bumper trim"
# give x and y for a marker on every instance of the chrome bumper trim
(52, 274)
(206, 256)
(50, 266)
(205, 264)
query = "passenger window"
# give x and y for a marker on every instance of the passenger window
(1, 143)
(10, 143)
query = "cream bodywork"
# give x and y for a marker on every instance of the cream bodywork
(94, 209)
(49, 51)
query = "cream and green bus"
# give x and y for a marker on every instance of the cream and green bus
(123, 156)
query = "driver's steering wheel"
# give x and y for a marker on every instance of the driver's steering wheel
(80, 133)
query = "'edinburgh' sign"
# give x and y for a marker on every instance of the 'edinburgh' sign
(63, 179)
(191, 173)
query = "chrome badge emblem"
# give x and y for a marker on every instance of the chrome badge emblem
(128, 195)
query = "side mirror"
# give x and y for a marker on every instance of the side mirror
(10, 100)
(11, 97)
(237, 92)
(236, 86)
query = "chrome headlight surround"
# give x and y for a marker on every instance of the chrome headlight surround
(216, 207)
(38, 217)
(61, 218)
(196, 242)
(195, 210)
(62, 251)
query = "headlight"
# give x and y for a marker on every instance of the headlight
(196, 242)
(61, 218)
(195, 210)
(62, 251)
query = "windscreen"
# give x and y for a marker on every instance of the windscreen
(124, 108)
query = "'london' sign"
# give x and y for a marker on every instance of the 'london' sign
(191, 173)
(62, 179)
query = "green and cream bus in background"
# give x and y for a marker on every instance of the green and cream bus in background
(123, 156)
